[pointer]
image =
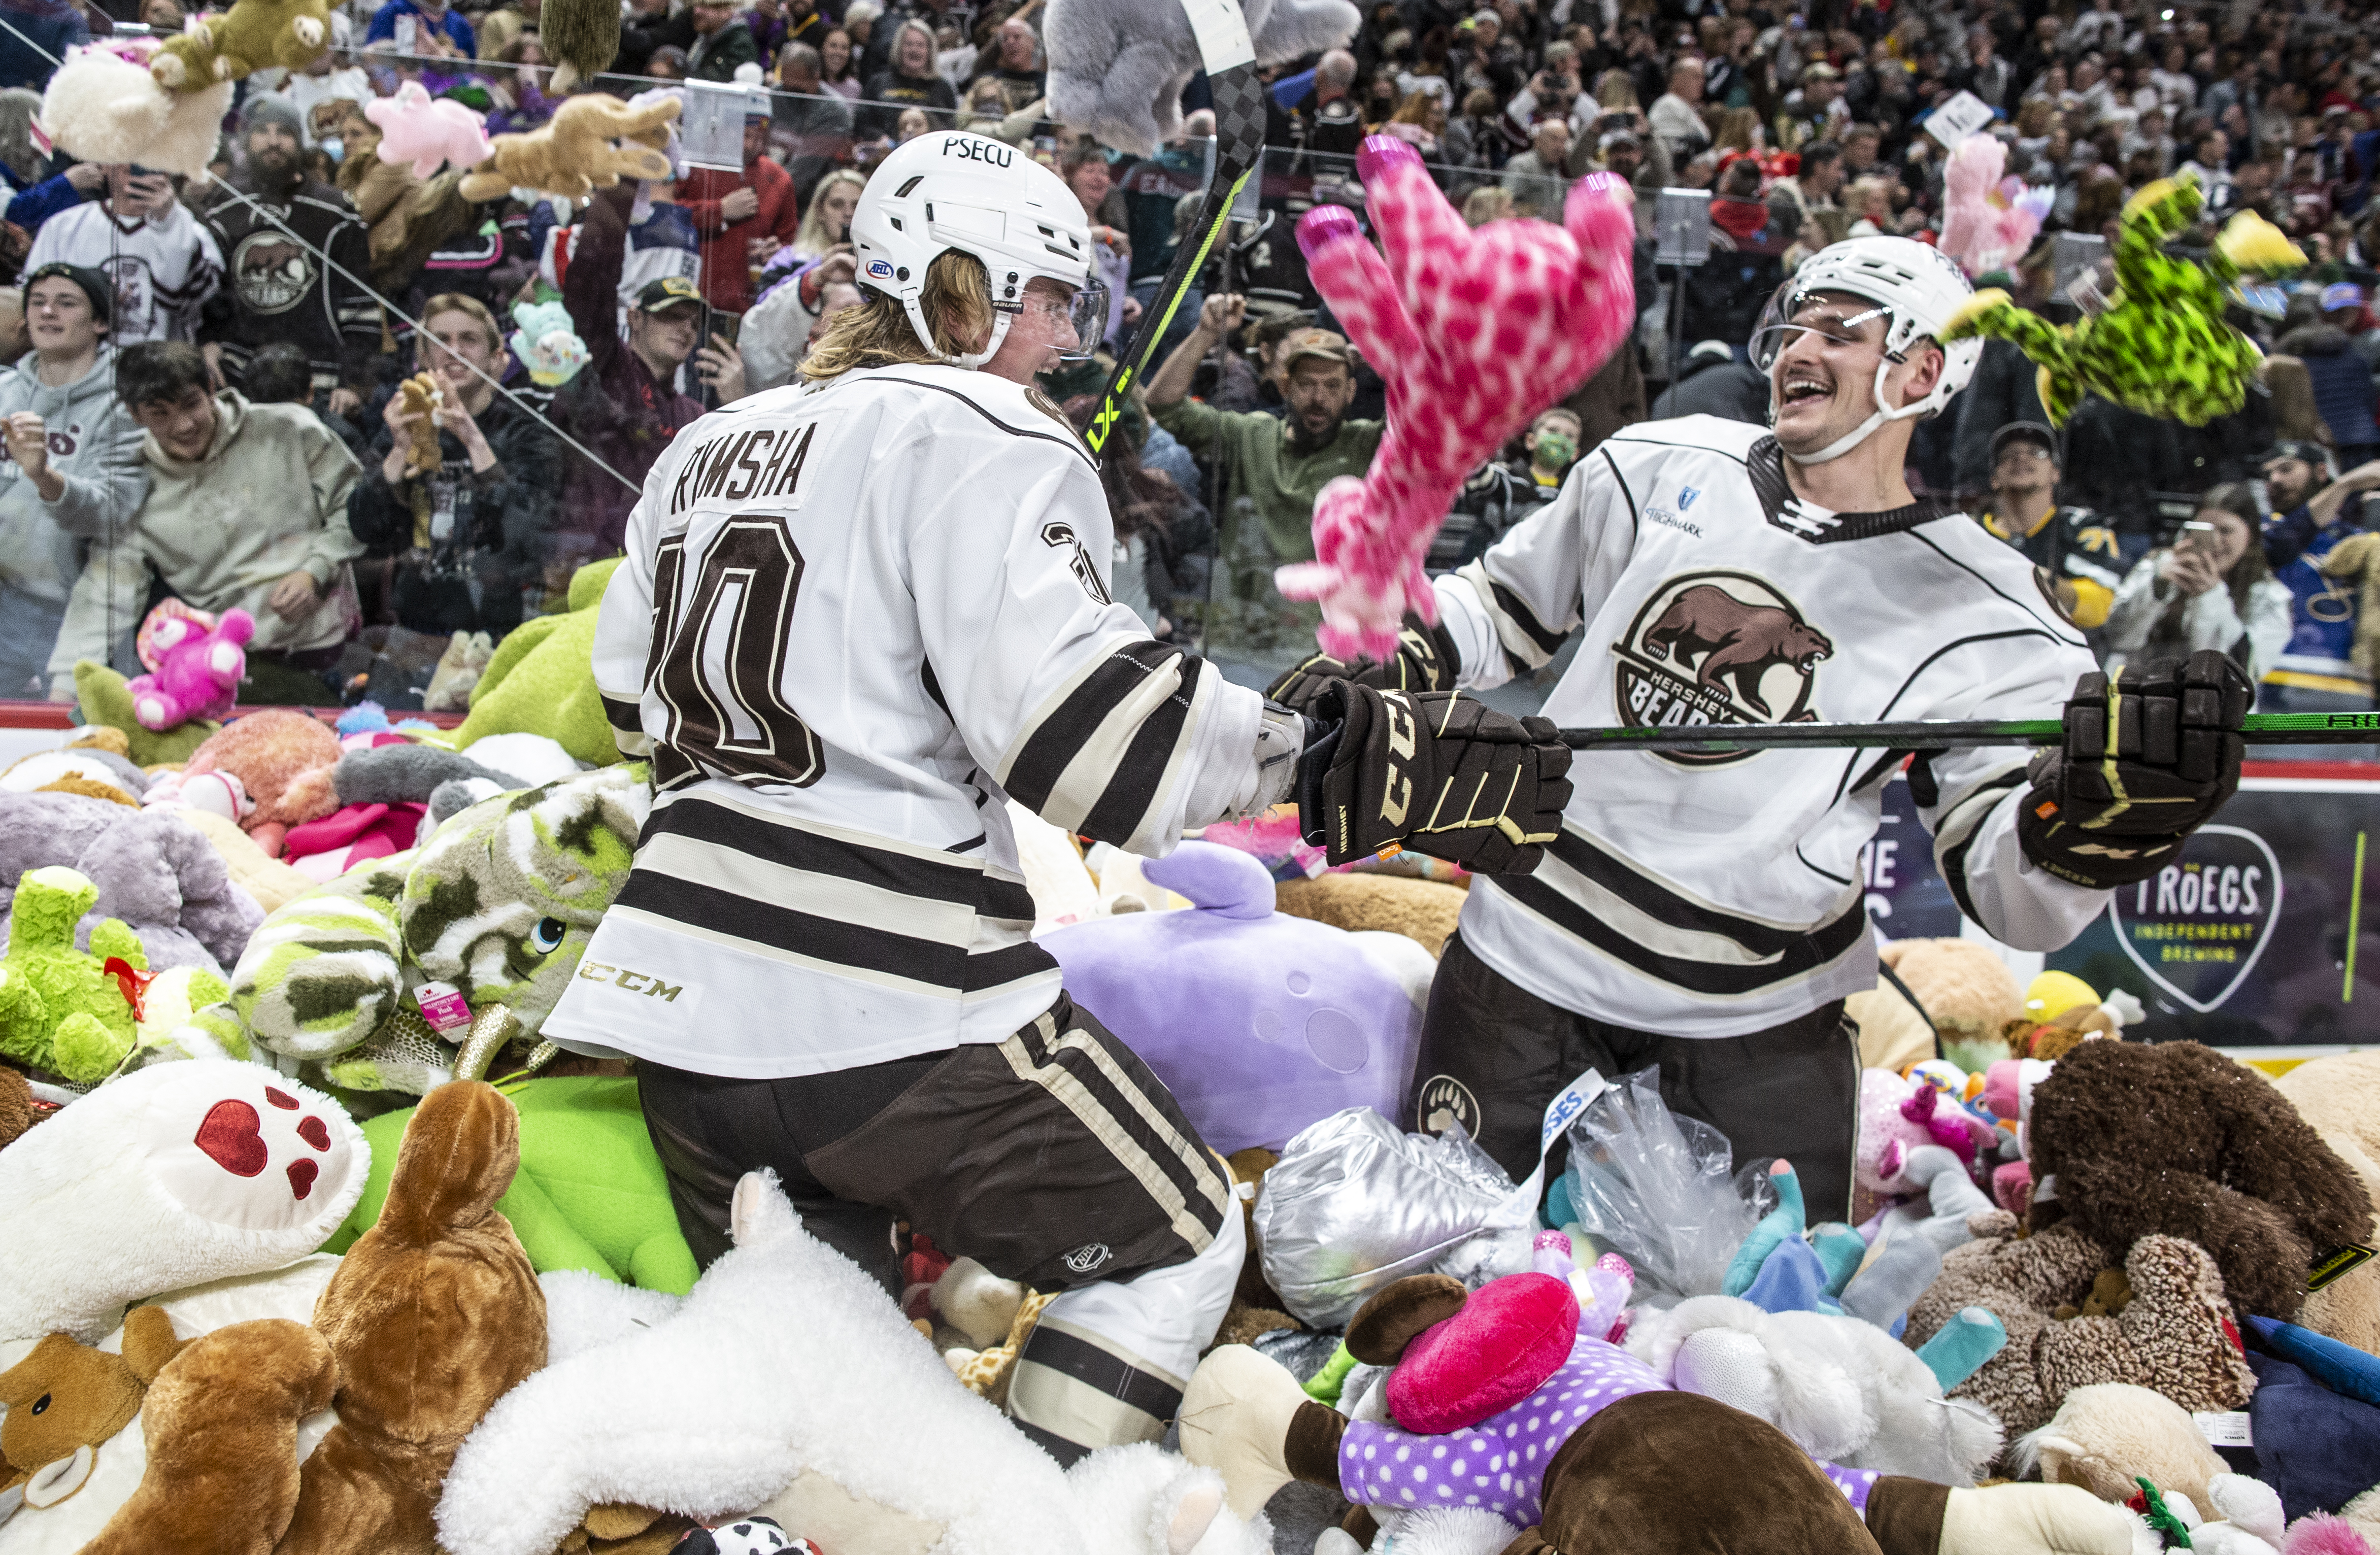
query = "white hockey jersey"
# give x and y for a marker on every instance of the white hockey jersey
(1717, 895)
(854, 618)
(165, 267)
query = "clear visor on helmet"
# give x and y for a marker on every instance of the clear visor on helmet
(1837, 316)
(1084, 318)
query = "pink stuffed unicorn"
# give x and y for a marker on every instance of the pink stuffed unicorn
(1896, 1116)
(1987, 220)
(416, 130)
(1475, 331)
(196, 666)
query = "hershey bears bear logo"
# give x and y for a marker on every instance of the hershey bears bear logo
(1717, 648)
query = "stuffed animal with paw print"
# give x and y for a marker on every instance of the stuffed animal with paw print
(1476, 332)
(252, 35)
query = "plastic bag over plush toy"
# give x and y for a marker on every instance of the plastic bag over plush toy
(1475, 331)
(1657, 1189)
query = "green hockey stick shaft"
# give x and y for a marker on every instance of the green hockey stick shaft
(2261, 728)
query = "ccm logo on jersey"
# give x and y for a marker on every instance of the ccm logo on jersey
(967, 149)
(635, 982)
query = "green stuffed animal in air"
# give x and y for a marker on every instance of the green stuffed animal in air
(59, 1011)
(2161, 345)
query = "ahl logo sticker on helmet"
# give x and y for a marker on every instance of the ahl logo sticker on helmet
(879, 270)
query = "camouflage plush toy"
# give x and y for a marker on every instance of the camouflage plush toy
(498, 905)
(2161, 345)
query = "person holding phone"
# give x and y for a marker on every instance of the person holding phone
(164, 261)
(2210, 588)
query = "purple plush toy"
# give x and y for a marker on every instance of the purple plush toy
(1258, 1023)
(196, 672)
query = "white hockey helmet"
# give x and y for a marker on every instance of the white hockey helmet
(951, 189)
(1915, 286)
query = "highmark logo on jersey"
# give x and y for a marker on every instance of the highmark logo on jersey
(1717, 648)
(2197, 925)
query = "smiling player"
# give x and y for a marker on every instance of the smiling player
(1703, 912)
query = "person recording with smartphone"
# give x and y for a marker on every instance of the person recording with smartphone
(164, 261)
(2210, 589)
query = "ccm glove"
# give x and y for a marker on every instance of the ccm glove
(2149, 757)
(1437, 771)
(1424, 661)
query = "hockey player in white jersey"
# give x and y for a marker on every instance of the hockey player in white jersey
(1705, 912)
(855, 617)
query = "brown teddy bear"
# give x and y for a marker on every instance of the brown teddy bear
(222, 1430)
(571, 155)
(432, 1315)
(2175, 1139)
(17, 1112)
(1968, 995)
(1423, 911)
(63, 1401)
(2174, 1335)
(251, 36)
(423, 395)
(2357, 560)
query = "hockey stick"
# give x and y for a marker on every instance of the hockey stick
(1230, 61)
(2261, 728)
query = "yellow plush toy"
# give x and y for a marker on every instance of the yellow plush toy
(422, 396)
(571, 155)
(252, 35)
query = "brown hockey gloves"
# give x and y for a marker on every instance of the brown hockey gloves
(1424, 661)
(1437, 771)
(2149, 757)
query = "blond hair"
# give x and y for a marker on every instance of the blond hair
(810, 237)
(456, 302)
(956, 299)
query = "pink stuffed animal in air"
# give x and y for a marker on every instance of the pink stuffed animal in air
(1475, 333)
(1987, 220)
(198, 667)
(416, 130)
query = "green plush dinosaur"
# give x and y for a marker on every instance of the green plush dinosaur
(105, 699)
(58, 1011)
(2161, 346)
(541, 680)
(499, 904)
(589, 1194)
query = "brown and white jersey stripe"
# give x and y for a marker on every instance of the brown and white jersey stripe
(853, 620)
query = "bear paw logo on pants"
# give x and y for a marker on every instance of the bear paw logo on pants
(1717, 648)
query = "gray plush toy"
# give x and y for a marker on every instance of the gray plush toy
(155, 870)
(1117, 68)
(403, 774)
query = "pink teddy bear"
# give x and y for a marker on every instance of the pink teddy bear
(198, 670)
(413, 128)
(1987, 220)
(1475, 333)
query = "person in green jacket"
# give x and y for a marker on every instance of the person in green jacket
(1273, 468)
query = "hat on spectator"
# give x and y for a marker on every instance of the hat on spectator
(660, 296)
(1317, 342)
(1483, 16)
(1711, 350)
(2315, 453)
(93, 284)
(2342, 294)
(1617, 137)
(265, 108)
(1820, 70)
(2025, 431)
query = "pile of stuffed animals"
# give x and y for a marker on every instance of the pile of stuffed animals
(271, 1072)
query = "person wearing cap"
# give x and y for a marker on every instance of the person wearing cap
(2075, 548)
(164, 261)
(624, 406)
(2343, 391)
(1712, 383)
(280, 291)
(744, 218)
(721, 43)
(73, 472)
(1274, 466)
(2312, 510)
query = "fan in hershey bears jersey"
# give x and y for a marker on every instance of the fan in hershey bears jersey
(1703, 912)
(856, 618)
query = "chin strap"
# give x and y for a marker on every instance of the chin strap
(970, 359)
(1858, 434)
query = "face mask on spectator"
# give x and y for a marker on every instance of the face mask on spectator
(334, 148)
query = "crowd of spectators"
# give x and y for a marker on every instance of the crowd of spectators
(224, 351)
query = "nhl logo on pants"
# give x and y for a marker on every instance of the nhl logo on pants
(1087, 1259)
(1444, 1100)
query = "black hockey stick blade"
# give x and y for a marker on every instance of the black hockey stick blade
(2261, 728)
(1239, 142)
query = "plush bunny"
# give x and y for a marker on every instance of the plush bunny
(1476, 332)
(196, 668)
(426, 133)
